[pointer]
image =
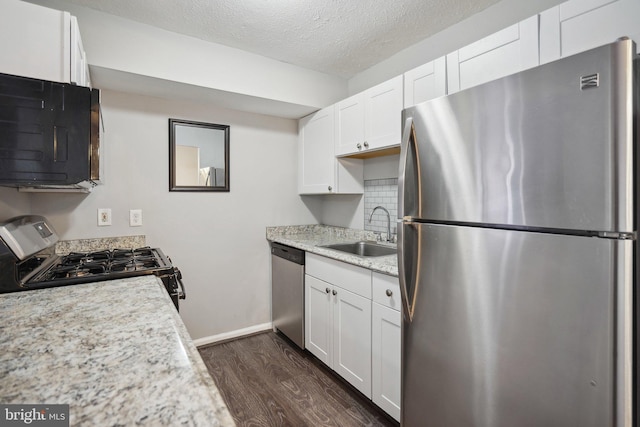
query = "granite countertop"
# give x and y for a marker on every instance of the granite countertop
(117, 352)
(310, 238)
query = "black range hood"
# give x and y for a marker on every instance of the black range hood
(49, 135)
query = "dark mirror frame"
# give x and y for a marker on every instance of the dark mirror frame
(172, 155)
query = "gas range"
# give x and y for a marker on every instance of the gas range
(23, 268)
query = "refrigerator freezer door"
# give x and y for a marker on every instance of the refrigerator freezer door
(543, 148)
(515, 328)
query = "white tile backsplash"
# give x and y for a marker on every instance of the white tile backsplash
(380, 192)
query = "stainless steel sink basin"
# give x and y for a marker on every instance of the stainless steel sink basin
(364, 249)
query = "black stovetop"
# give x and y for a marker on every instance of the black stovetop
(84, 267)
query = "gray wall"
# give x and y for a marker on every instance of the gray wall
(13, 203)
(216, 239)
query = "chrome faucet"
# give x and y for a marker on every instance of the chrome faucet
(389, 238)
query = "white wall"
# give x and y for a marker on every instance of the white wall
(382, 167)
(216, 239)
(134, 49)
(343, 210)
(13, 203)
(346, 210)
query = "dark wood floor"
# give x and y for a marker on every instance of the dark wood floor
(266, 381)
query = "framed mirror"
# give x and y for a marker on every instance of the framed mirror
(198, 156)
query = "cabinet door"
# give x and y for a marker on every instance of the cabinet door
(386, 355)
(425, 82)
(78, 60)
(369, 120)
(386, 290)
(316, 161)
(350, 125)
(383, 109)
(506, 52)
(352, 339)
(34, 42)
(318, 319)
(579, 25)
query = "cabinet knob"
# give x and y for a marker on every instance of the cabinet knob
(327, 290)
(389, 292)
(359, 146)
(335, 292)
(330, 188)
(366, 144)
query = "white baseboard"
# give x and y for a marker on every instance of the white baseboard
(233, 334)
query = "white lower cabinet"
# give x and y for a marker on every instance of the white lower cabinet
(352, 324)
(386, 341)
(338, 331)
(337, 320)
(318, 319)
(352, 338)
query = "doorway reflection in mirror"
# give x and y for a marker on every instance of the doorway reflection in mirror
(199, 156)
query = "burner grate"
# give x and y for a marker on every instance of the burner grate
(79, 270)
(134, 263)
(105, 262)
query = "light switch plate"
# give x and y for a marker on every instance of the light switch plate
(135, 217)
(104, 217)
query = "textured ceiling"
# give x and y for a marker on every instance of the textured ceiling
(340, 38)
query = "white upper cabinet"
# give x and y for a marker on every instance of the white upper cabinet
(425, 82)
(506, 52)
(383, 109)
(319, 172)
(350, 124)
(369, 120)
(579, 25)
(79, 69)
(41, 43)
(315, 150)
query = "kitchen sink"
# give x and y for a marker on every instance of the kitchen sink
(364, 249)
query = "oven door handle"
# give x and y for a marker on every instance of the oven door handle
(182, 294)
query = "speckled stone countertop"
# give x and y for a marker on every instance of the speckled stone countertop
(310, 238)
(117, 352)
(63, 247)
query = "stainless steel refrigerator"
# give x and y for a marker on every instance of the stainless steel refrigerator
(517, 249)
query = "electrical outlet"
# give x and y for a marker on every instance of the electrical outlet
(135, 217)
(104, 217)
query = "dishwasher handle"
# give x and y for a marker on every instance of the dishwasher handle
(289, 253)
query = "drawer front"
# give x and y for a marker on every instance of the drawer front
(381, 283)
(350, 277)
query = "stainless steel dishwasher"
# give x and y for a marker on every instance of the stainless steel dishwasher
(287, 291)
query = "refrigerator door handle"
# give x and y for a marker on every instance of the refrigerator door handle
(409, 187)
(402, 272)
(409, 206)
(408, 277)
